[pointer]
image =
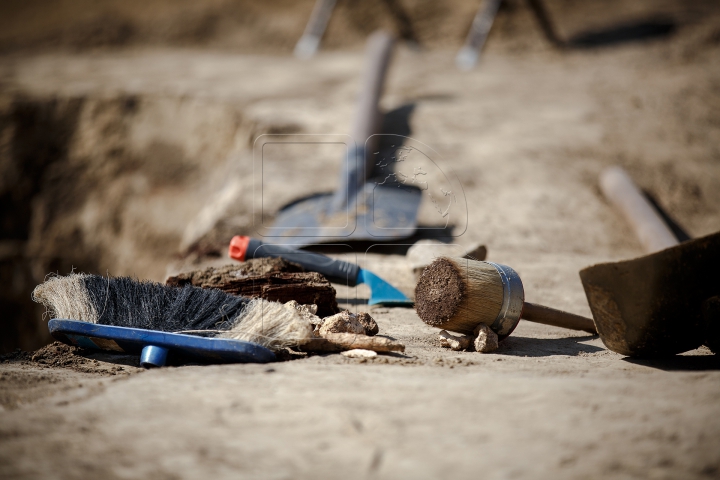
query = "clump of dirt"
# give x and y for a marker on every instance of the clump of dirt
(214, 276)
(56, 355)
(273, 279)
(60, 355)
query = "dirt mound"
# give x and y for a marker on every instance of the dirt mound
(60, 355)
(273, 279)
(215, 276)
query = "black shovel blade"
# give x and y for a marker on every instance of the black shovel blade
(377, 213)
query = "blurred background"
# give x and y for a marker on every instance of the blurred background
(126, 127)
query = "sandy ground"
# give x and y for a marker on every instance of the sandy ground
(527, 135)
(547, 405)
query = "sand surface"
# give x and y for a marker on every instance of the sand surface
(526, 134)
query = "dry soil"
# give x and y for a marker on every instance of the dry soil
(149, 171)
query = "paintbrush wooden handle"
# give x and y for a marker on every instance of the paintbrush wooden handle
(557, 318)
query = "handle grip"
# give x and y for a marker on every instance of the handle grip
(557, 318)
(337, 271)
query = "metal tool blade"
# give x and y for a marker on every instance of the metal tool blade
(381, 292)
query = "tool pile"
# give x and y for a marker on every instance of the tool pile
(664, 303)
(280, 301)
(126, 315)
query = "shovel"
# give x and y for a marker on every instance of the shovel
(384, 210)
(338, 271)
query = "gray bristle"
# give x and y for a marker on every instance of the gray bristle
(126, 302)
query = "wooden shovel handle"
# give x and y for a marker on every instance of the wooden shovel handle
(366, 122)
(367, 115)
(557, 318)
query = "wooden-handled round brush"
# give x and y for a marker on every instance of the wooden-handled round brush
(458, 294)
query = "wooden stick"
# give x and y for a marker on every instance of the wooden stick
(338, 342)
(650, 228)
(557, 318)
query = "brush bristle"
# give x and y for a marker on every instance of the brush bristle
(126, 302)
(458, 294)
(66, 297)
(272, 325)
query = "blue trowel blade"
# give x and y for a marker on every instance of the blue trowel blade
(381, 292)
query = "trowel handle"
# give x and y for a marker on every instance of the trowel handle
(557, 318)
(338, 271)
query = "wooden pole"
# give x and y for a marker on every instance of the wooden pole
(650, 228)
(557, 318)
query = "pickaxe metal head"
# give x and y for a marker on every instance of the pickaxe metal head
(657, 304)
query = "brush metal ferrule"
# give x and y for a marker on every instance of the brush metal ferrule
(513, 300)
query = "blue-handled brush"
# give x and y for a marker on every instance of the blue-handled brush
(124, 314)
(338, 271)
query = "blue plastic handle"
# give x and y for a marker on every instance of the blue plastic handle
(153, 356)
(154, 346)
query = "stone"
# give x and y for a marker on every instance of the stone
(343, 322)
(308, 312)
(368, 322)
(454, 342)
(486, 340)
(359, 353)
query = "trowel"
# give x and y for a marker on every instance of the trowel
(379, 210)
(338, 271)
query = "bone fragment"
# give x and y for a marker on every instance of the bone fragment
(338, 342)
(359, 353)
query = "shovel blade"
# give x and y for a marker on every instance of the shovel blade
(654, 305)
(376, 213)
